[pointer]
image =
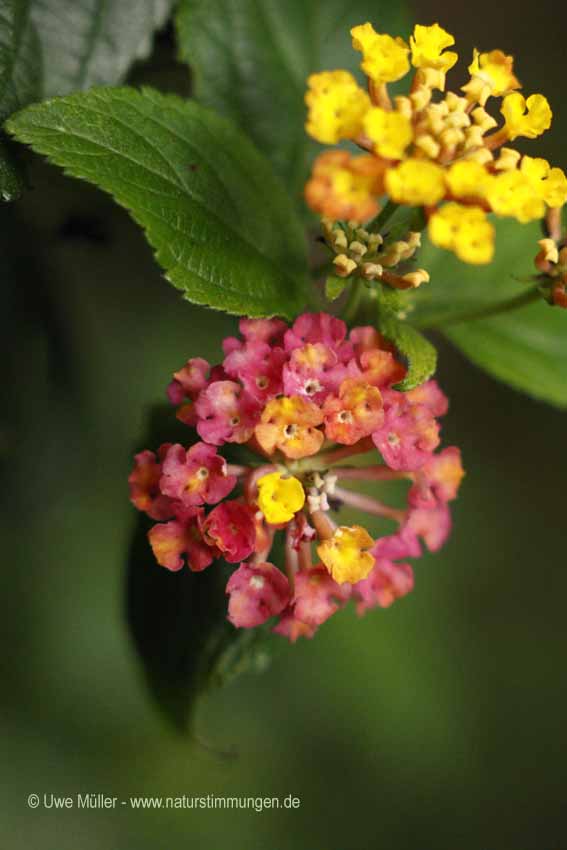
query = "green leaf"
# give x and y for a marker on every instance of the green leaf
(250, 60)
(20, 57)
(334, 286)
(458, 288)
(420, 355)
(527, 347)
(20, 80)
(12, 182)
(93, 42)
(178, 620)
(219, 220)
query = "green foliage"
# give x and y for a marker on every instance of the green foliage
(11, 179)
(20, 80)
(54, 47)
(178, 620)
(334, 286)
(93, 42)
(221, 224)
(20, 57)
(525, 348)
(420, 355)
(250, 61)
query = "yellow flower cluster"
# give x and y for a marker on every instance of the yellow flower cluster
(440, 151)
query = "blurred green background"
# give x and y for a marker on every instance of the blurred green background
(439, 723)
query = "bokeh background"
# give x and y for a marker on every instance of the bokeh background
(439, 723)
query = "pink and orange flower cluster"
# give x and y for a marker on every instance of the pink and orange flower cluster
(304, 399)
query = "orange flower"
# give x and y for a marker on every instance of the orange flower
(354, 414)
(289, 423)
(344, 186)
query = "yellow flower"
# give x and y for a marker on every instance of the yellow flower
(529, 118)
(491, 74)
(336, 105)
(416, 182)
(280, 498)
(344, 556)
(467, 179)
(384, 59)
(508, 159)
(523, 193)
(464, 230)
(555, 188)
(427, 45)
(390, 132)
(550, 183)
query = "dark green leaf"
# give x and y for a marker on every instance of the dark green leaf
(11, 180)
(93, 42)
(178, 620)
(251, 58)
(20, 80)
(420, 355)
(526, 348)
(20, 57)
(219, 220)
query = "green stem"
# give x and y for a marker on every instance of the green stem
(352, 305)
(514, 303)
(382, 218)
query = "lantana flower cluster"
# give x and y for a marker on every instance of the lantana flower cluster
(441, 151)
(303, 400)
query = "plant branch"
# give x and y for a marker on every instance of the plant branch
(502, 307)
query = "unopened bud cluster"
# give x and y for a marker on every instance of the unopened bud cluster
(366, 255)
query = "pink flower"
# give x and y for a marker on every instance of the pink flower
(408, 435)
(319, 328)
(403, 544)
(195, 476)
(231, 528)
(259, 367)
(432, 396)
(438, 480)
(227, 413)
(386, 583)
(263, 330)
(304, 400)
(431, 524)
(317, 596)
(171, 540)
(145, 493)
(365, 338)
(314, 371)
(186, 385)
(256, 330)
(257, 592)
(290, 627)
